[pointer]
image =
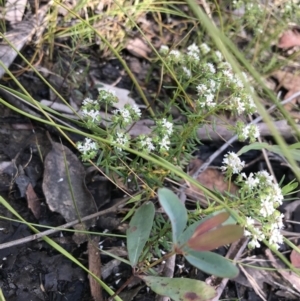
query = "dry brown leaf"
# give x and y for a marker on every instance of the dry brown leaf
(63, 172)
(211, 178)
(33, 201)
(295, 258)
(291, 82)
(289, 276)
(289, 39)
(138, 48)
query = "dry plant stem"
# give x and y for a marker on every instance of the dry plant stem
(65, 226)
(254, 284)
(168, 272)
(205, 165)
(235, 251)
(95, 268)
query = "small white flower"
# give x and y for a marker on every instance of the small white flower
(93, 115)
(89, 101)
(228, 74)
(193, 56)
(213, 85)
(121, 139)
(164, 143)
(277, 194)
(87, 146)
(265, 178)
(167, 125)
(147, 144)
(254, 243)
(136, 110)
(187, 71)
(193, 48)
(251, 182)
(250, 131)
(125, 114)
(238, 105)
(210, 100)
(278, 224)
(164, 49)
(257, 236)
(250, 104)
(233, 163)
(175, 54)
(276, 238)
(267, 207)
(249, 221)
(201, 88)
(204, 48)
(219, 55)
(211, 68)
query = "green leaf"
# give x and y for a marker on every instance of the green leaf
(180, 289)
(175, 210)
(215, 238)
(252, 146)
(277, 149)
(211, 263)
(139, 231)
(295, 145)
(289, 188)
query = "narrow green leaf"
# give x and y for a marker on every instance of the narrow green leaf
(295, 145)
(211, 223)
(211, 263)
(180, 289)
(289, 187)
(215, 238)
(252, 146)
(139, 231)
(278, 150)
(175, 210)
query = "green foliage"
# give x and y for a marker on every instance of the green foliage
(192, 243)
(180, 289)
(139, 231)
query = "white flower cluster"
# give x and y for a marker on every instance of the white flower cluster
(232, 163)
(164, 130)
(193, 53)
(88, 149)
(107, 96)
(241, 102)
(262, 186)
(145, 144)
(245, 132)
(126, 115)
(120, 140)
(90, 111)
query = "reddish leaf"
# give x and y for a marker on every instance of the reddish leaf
(295, 258)
(216, 238)
(211, 223)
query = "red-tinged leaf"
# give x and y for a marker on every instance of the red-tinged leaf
(211, 223)
(295, 258)
(216, 238)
